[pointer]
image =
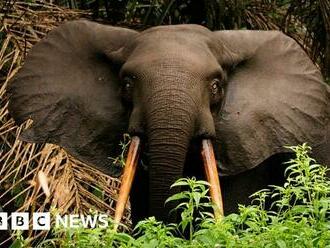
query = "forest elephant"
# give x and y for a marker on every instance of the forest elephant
(249, 92)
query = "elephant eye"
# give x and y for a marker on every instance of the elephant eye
(216, 87)
(128, 83)
(127, 87)
(216, 91)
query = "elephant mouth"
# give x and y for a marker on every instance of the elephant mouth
(210, 167)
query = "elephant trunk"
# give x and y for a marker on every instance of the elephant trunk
(170, 126)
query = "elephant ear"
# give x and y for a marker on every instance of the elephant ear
(275, 98)
(69, 88)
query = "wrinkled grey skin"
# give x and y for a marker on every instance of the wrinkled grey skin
(86, 84)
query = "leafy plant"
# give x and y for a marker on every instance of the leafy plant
(191, 203)
(153, 233)
(124, 143)
(299, 217)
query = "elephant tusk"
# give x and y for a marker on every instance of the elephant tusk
(127, 179)
(212, 176)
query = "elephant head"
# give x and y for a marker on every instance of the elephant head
(250, 92)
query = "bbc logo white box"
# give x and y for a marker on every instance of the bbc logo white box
(41, 221)
(20, 221)
(3, 221)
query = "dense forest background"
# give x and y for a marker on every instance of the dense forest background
(307, 21)
(23, 23)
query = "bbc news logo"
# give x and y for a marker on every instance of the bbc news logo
(42, 221)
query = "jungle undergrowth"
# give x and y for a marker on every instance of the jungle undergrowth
(120, 159)
(301, 219)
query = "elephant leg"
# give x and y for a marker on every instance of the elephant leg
(237, 189)
(139, 195)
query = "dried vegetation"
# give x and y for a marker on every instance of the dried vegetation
(74, 187)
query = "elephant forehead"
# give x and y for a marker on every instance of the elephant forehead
(181, 61)
(169, 41)
(177, 54)
(169, 54)
(172, 37)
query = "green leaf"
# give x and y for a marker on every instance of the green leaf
(178, 196)
(18, 243)
(281, 244)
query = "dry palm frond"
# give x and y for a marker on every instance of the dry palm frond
(260, 15)
(73, 186)
(309, 23)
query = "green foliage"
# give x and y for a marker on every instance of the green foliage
(19, 242)
(124, 143)
(191, 203)
(153, 233)
(299, 217)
